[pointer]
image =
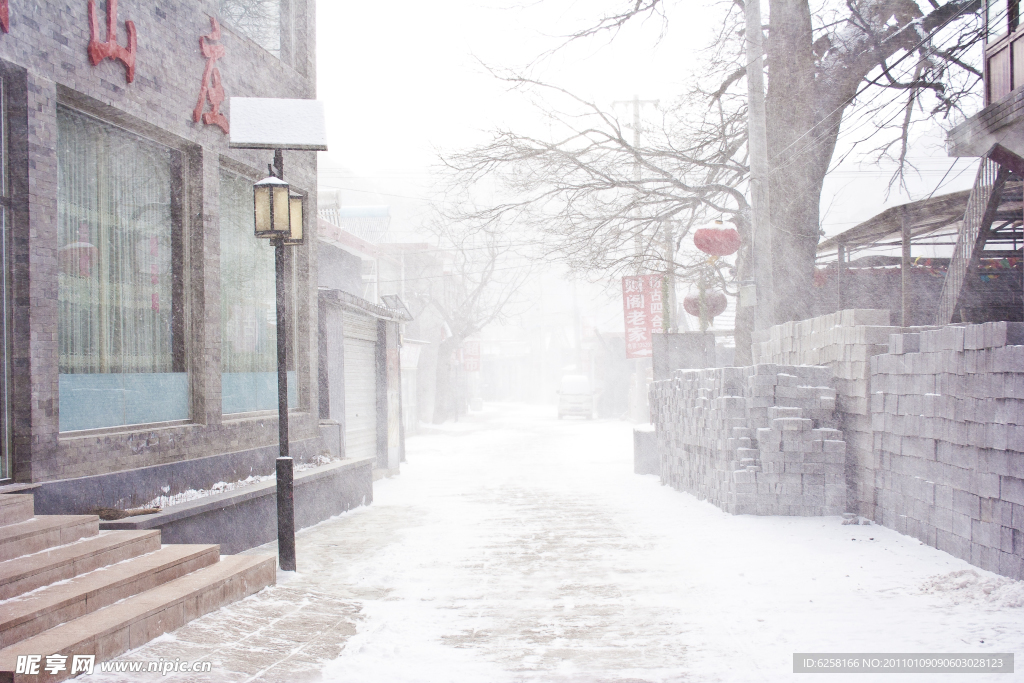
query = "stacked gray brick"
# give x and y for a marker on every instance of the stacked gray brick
(845, 342)
(754, 440)
(948, 417)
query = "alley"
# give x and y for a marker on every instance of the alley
(517, 547)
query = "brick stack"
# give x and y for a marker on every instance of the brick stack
(845, 342)
(754, 440)
(948, 415)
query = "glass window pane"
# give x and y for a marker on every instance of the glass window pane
(118, 325)
(259, 20)
(248, 306)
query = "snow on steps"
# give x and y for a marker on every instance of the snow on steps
(16, 508)
(66, 588)
(27, 573)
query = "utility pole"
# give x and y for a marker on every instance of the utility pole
(757, 139)
(670, 278)
(639, 408)
(637, 103)
(578, 331)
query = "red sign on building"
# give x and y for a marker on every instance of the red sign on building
(643, 305)
(212, 89)
(110, 49)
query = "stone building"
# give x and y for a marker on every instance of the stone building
(139, 331)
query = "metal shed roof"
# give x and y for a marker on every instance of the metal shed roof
(930, 219)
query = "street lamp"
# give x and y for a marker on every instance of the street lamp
(278, 213)
(273, 210)
(279, 124)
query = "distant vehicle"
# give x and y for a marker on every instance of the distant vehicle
(576, 397)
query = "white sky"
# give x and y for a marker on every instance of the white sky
(401, 80)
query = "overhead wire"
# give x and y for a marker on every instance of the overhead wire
(817, 138)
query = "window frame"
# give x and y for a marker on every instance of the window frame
(179, 193)
(227, 166)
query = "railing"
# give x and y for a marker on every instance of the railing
(977, 218)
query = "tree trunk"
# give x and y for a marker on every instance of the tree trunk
(444, 386)
(743, 325)
(804, 111)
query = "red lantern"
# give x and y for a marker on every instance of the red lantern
(77, 259)
(714, 302)
(717, 241)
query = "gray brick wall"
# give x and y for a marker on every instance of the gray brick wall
(44, 62)
(948, 414)
(845, 342)
(754, 440)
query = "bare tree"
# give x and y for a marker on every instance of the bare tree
(597, 200)
(482, 275)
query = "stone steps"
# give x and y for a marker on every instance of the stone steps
(15, 508)
(45, 531)
(137, 620)
(27, 573)
(66, 589)
(32, 614)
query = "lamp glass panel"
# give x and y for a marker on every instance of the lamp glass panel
(296, 220)
(281, 210)
(261, 195)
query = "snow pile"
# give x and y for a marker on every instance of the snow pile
(169, 500)
(967, 585)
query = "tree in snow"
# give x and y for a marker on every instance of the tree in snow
(874, 68)
(481, 277)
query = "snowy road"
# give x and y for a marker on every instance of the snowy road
(516, 547)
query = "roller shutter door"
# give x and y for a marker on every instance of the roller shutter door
(360, 339)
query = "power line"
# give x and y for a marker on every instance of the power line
(819, 137)
(382, 194)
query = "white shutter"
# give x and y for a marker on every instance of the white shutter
(360, 386)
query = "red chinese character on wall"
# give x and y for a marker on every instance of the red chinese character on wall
(110, 49)
(212, 88)
(5, 16)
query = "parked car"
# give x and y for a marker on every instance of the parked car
(576, 397)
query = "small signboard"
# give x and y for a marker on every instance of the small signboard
(471, 356)
(643, 306)
(275, 123)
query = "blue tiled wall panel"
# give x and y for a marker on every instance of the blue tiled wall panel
(243, 392)
(92, 401)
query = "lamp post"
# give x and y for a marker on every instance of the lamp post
(278, 124)
(278, 214)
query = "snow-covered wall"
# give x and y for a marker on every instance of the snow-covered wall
(947, 407)
(753, 440)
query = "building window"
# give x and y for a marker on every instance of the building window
(248, 309)
(259, 20)
(1001, 17)
(120, 324)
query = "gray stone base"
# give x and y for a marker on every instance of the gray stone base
(136, 487)
(247, 517)
(646, 459)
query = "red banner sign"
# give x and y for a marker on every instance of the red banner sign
(643, 305)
